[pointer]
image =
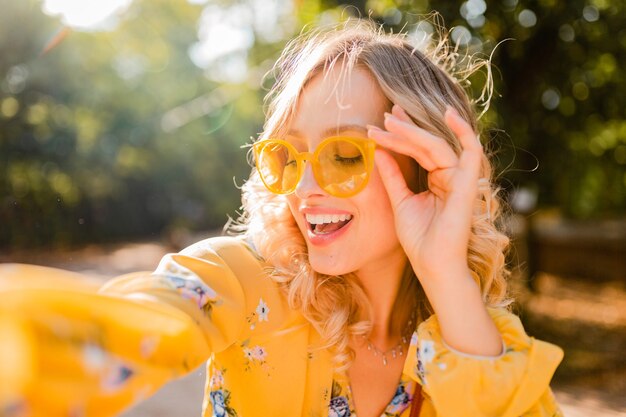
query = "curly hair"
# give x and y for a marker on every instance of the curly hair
(423, 81)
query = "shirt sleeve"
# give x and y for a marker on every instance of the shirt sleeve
(95, 351)
(196, 282)
(513, 384)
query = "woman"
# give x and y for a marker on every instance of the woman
(368, 278)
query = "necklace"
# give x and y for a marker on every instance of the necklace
(395, 351)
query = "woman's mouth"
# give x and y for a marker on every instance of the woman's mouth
(323, 224)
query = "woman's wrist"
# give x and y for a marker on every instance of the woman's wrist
(465, 324)
(440, 272)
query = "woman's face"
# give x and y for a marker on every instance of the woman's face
(331, 106)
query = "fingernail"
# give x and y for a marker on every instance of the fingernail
(452, 110)
(372, 127)
(388, 115)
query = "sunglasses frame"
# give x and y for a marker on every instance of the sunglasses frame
(365, 145)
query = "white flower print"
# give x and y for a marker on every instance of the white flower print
(217, 380)
(248, 353)
(258, 353)
(255, 357)
(188, 284)
(195, 290)
(426, 351)
(262, 310)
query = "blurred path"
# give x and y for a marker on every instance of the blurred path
(183, 398)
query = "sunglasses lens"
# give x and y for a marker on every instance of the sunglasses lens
(343, 168)
(278, 167)
(340, 168)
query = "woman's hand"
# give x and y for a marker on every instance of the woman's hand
(433, 226)
(68, 350)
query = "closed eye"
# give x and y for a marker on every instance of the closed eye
(348, 161)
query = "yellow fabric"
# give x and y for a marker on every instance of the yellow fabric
(95, 352)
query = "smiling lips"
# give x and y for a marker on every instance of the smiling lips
(322, 224)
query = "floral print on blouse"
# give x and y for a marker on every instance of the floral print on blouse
(96, 351)
(342, 403)
(220, 396)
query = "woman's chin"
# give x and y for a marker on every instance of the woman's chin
(327, 266)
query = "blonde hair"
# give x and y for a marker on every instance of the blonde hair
(423, 82)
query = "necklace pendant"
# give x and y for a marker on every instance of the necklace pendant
(393, 353)
(384, 360)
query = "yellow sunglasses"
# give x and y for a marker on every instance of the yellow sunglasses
(341, 165)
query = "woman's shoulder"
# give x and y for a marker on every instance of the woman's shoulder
(238, 256)
(234, 252)
(265, 300)
(238, 245)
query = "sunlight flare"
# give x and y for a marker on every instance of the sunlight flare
(89, 15)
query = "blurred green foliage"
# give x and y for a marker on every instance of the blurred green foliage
(560, 105)
(86, 151)
(118, 133)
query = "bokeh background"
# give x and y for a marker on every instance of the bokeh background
(124, 121)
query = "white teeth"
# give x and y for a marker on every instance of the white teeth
(327, 218)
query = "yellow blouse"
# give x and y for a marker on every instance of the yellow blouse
(95, 352)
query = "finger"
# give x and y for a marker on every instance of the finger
(458, 201)
(472, 153)
(462, 129)
(457, 211)
(471, 156)
(464, 186)
(400, 145)
(401, 114)
(436, 189)
(439, 182)
(436, 148)
(392, 178)
(429, 151)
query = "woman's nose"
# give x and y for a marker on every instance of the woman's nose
(308, 186)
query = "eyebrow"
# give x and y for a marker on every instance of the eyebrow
(332, 130)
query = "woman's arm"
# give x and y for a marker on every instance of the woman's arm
(463, 318)
(515, 383)
(78, 351)
(434, 226)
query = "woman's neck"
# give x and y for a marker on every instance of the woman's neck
(381, 281)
